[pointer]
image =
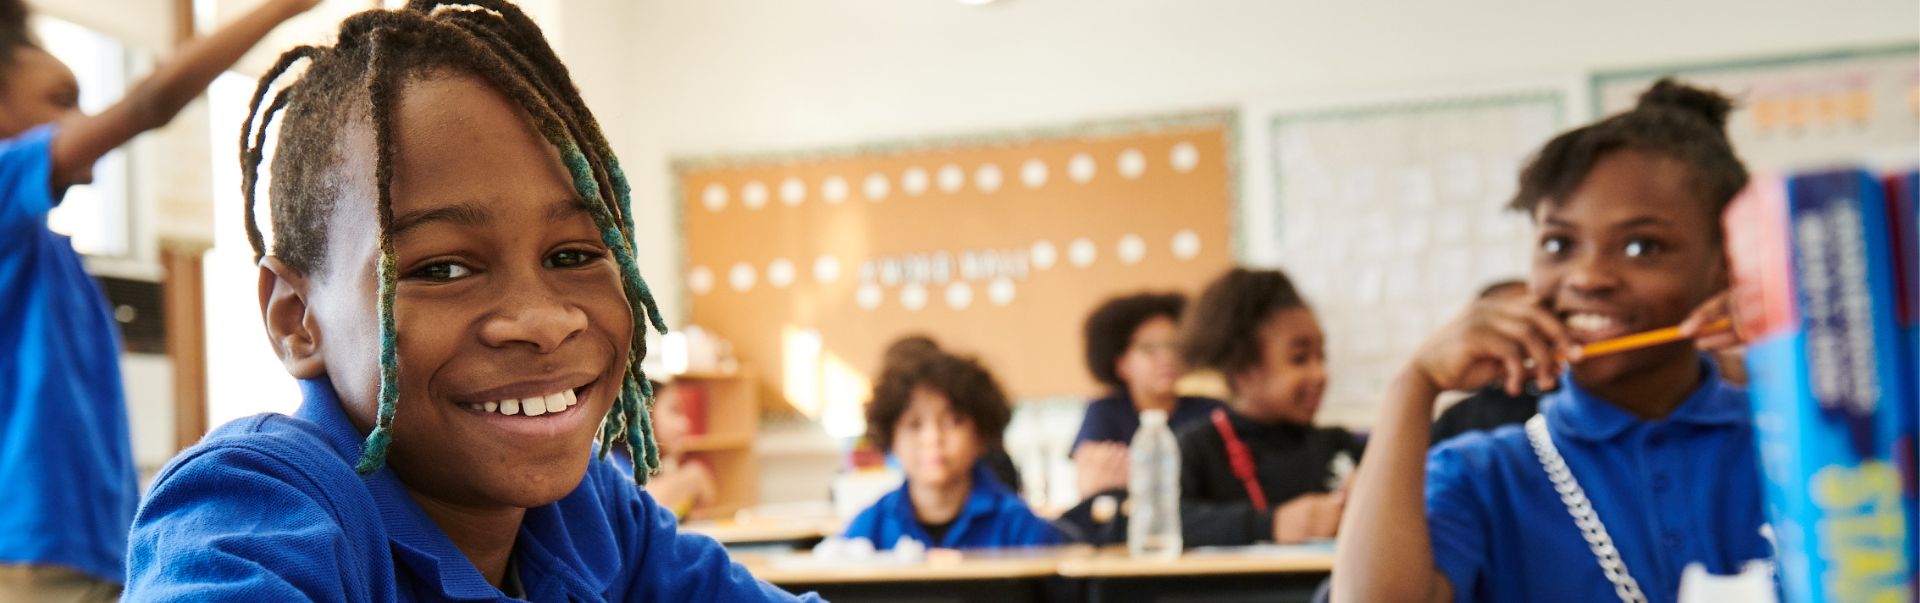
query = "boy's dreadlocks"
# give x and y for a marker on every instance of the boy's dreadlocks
(360, 75)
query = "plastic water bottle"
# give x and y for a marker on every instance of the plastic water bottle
(1153, 489)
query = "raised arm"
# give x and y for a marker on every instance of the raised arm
(1385, 550)
(155, 99)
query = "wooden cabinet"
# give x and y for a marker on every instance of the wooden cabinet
(724, 412)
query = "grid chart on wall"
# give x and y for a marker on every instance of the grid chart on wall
(810, 263)
(1391, 217)
(1803, 110)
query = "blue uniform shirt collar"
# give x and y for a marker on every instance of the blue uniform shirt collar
(982, 499)
(421, 545)
(1575, 412)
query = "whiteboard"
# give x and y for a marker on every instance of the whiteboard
(1391, 217)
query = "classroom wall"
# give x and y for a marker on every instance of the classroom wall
(675, 79)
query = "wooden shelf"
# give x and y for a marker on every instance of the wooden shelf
(709, 442)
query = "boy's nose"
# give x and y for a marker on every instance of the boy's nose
(537, 318)
(1591, 274)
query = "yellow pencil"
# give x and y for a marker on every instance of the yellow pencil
(1646, 339)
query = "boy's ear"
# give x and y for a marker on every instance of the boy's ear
(291, 329)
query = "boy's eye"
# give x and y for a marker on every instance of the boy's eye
(443, 271)
(1555, 245)
(570, 258)
(1642, 248)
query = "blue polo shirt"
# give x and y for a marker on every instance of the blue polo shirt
(268, 508)
(1671, 492)
(66, 459)
(992, 517)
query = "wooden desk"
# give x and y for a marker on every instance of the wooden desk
(1257, 573)
(1002, 576)
(795, 533)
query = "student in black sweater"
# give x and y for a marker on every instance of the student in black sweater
(1260, 470)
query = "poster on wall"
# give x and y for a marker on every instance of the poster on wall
(1805, 110)
(997, 246)
(1392, 216)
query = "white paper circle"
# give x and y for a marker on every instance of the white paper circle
(826, 269)
(741, 277)
(914, 181)
(951, 178)
(834, 190)
(1132, 163)
(793, 191)
(1184, 157)
(1033, 173)
(1081, 167)
(876, 187)
(987, 178)
(959, 296)
(699, 280)
(714, 197)
(1131, 249)
(1081, 252)
(1000, 291)
(1044, 255)
(913, 297)
(780, 273)
(868, 296)
(754, 195)
(1186, 244)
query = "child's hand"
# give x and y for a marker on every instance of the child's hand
(1716, 309)
(1506, 340)
(1309, 517)
(1100, 466)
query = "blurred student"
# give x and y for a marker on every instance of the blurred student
(913, 348)
(1650, 447)
(939, 415)
(682, 484)
(1492, 406)
(1133, 349)
(1260, 469)
(67, 461)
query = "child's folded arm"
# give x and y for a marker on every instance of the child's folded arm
(239, 524)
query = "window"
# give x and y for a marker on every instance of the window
(96, 215)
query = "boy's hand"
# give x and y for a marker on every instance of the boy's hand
(1717, 308)
(1508, 340)
(1309, 517)
(1100, 466)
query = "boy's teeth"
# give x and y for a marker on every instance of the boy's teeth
(1589, 322)
(571, 399)
(531, 406)
(492, 406)
(509, 407)
(534, 407)
(556, 402)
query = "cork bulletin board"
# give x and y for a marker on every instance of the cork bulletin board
(1391, 218)
(1804, 110)
(997, 245)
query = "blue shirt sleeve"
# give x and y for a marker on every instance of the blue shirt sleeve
(1456, 521)
(26, 178)
(235, 524)
(690, 567)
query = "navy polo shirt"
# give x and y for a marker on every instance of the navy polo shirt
(66, 457)
(268, 508)
(1671, 492)
(992, 517)
(1114, 419)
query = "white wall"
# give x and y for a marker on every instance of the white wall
(673, 78)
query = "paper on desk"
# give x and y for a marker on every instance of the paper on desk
(1318, 547)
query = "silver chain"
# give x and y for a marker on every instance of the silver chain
(1572, 495)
